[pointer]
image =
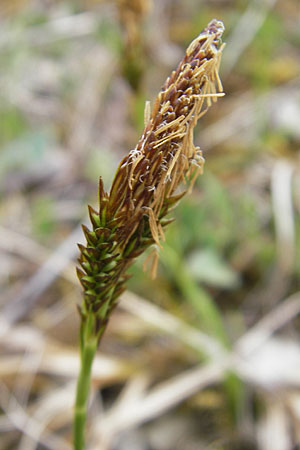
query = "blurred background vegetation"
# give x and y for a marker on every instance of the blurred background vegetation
(207, 356)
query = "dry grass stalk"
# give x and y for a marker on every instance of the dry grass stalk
(131, 216)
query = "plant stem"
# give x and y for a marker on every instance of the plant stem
(87, 355)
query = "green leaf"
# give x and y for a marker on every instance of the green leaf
(207, 266)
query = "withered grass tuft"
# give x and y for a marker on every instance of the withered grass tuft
(132, 216)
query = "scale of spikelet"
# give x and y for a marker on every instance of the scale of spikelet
(131, 216)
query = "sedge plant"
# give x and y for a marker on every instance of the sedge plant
(132, 216)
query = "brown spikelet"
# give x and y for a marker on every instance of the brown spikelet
(144, 189)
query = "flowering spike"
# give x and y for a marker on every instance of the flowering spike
(131, 216)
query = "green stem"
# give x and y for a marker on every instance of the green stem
(204, 306)
(88, 351)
